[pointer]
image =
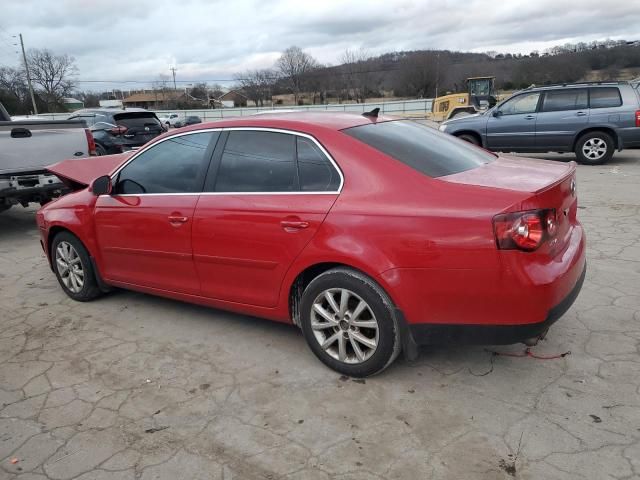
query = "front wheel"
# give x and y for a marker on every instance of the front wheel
(73, 267)
(470, 138)
(594, 148)
(349, 323)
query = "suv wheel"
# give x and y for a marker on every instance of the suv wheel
(594, 148)
(349, 324)
(73, 268)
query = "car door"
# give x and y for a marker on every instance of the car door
(265, 197)
(512, 125)
(143, 228)
(562, 114)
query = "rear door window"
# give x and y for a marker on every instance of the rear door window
(604, 97)
(569, 99)
(420, 147)
(257, 161)
(175, 165)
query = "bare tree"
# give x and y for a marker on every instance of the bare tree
(53, 74)
(13, 90)
(294, 65)
(358, 79)
(418, 74)
(257, 85)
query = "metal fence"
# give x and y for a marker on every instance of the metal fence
(407, 108)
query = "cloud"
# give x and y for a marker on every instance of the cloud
(212, 40)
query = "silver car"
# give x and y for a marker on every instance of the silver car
(591, 119)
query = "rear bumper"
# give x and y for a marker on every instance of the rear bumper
(430, 334)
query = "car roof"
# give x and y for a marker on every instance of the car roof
(297, 121)
(110, 110)
(574, 85)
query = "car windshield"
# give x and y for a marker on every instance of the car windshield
(426, 150)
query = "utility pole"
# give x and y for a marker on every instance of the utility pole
(173, 70)
(26, 67)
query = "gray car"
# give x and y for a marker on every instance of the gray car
(591, 119)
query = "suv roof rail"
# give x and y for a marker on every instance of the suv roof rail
(578, 84)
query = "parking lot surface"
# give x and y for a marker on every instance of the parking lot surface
(134, 386)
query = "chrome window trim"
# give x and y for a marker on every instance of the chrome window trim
(229, 129)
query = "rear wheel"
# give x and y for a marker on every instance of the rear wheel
(73, 267)
(467, 137)
(594, 148)
(349, 323)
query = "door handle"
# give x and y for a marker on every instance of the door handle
(20, 132)
(177, 219)
(530, 117)
(581, 114)
(294, 225)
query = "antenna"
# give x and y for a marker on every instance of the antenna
(373, 113)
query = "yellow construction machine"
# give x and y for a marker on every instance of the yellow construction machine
(479, 97)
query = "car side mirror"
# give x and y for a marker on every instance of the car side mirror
(497, 113)
(101, 185)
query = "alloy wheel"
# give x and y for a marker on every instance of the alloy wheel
(69, 266)
(594, 148)
(344, 325)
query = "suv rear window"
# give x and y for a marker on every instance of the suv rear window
(604, 97)
(137, 119)
(422, 148)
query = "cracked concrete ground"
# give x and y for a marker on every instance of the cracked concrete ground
(136, 387)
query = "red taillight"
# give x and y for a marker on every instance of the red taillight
(91, 143)
(119, 130)
(524, 230)
(637, 118)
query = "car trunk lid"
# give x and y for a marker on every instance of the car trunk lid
(544, 185)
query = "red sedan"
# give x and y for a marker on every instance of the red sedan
(371, 234)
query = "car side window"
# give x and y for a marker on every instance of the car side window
(257, 161)
(604, 97)
(175, 165)
(569, 99)
(526, 103)
(316, 172)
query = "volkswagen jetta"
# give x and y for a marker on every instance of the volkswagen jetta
(371, 234)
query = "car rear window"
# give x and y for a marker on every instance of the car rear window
(136, 119)
(426, 150)
(604, 97)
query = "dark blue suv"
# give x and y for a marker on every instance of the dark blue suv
(591, 119)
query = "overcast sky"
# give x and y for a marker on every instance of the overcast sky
(119, 40)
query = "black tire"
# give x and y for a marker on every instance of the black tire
(594, 138)
(380, 305)
(100, 150)
(467, 137)
(4, 206)
(90, 289)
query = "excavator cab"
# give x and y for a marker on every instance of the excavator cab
(481, 93)
(479, 97)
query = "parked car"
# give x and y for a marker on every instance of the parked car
(590, 119)
(370, 233)
(169, 119)
(27, 147)
(117, 131)
(190, 120)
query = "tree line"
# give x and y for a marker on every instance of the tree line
(357, 77)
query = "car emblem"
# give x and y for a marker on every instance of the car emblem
(573, 187)
(146, 129)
